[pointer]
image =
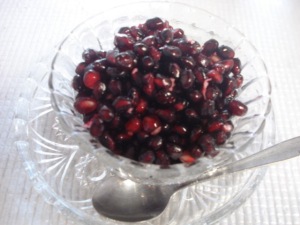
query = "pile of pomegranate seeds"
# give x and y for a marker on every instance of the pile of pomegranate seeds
(159, 97)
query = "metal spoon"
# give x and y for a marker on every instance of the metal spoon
(126, 200)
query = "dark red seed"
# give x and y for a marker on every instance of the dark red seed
(147, 157)
(134, 94)
(151, 125)
(91, 78)
(188, 62)
(136, 33)
(140, 49)
(149, 41)
(100, 65)
(180, 129)
(187, 79)
(124, 42)
(192, 114)
(212, 93)
(122, 104)
(80, 68)
(106, 113)
(202, 60)
(123, 137)
(147, 63)
(209, 47)
(136, 76)
(142, 136)
(166, 36)
(194, 47)
(77, 83)
(239, 80)
(174, 70)
(166, 115)
(101, 54)
(89, 55)
(196, 152)
(115, 87)
(162, 158)
(125, 60)
(227, 127)
(182, 44)
(97, 128)
(111, 57)
(237, 108)
(124, 30)
(199, 75)
(155, 142)
(165, 97)
(180, 105)
(171, 52)
(195, 96)
(221, 137)
(236, 69)
(133, 125)
(148, 81)
(207, 108)
(116, 122)
(107, 141)
(196, 133)
(162, 82)
(175, 151)
(215, 76)
(225, 52)
(178, 33)
(99, 90)
(155, 23)
(224, 66)
(207, 143)
(115, 72)
(215, 126)
(230, 85)
(85, 105)
(154, 53)
(141, 106)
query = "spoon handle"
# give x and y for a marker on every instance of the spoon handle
(276, 153)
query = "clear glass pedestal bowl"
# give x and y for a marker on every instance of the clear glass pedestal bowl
(65, 166)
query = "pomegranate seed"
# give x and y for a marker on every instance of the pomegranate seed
(89, 55)
(221, 137)
(200, 75)
(239, 80)
(188, 62)
(149, 41)
(207, 143)
(101, 54)
(80, 68)
(215, 126)
(162, 82)
(162, 158)
(115, 87)
(133, 125)
(107, 141)
(148, 80)
(136, 76)
(224, 66)
(140, 49)
(203, 60)
(121, 104)
(187, 79)
(236, 69)
(100, 65)
(196, 133)
(192, 114)
(212, 93)
(111, 57)
(166, 115)
(106, 113)
(225, 52)
(85, 105)
(237, 108)
(195, 96)
(155, 142)
(124, 42)
(141, 106)
(165, 97)
(179, 129)
(136, 33)
(123, 137)
(99, 90)
(155, 23)
(142, 136)
(77, 83)
(175, 151)
(215, 76)
(91, 78)
(208, 108)
(180, 105)
(178, 33)
(151, 125)
(124, 30)
(166, 35)
(187, 158)
(125, 60)
(154, 53)
(147, 62)
(147, 157)
(172, 52)
(174, 70)
(97, 128)
(196, 152)
(209, 47)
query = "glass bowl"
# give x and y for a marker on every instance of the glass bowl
(66, 164)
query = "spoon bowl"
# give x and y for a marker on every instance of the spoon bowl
(126, 200)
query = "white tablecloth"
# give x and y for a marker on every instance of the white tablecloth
(30, 28)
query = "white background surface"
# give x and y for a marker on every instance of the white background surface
(29, 29)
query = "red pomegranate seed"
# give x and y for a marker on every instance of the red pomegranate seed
(180, 105)
(212, 93)
(106, 113)
(91, 78)
(207, 108)
(80, 68)
(151, 125)
(215, 76)
(77, 83)
(175, 151)
(155, 142)
(239, 80)
(107, 141)
(174, 70)
(141, 106)
(221, 137)
(155, 23)
(100, 65)
(209, 47)
(179, 129)
(162, 158)
(125, 60)
(147, 62)
(147, 157)
(236, 69)
(195, 96)
(115, 87)
(111, 57)
(166, 36)
(187, 158)
(136, 76)
(171, 52)
(202, 60)
(162, 82)
(165, 97)
(166, 115)
(154, 53)
(225, 52)
(187, 79)
(124, 42)
(207, 143)
(89, 55)
(121, 104)
(200, 75)
(148, 81)
(192, 114)
(196, 152)
(123, 137)
(178, 33)
(215, 126)
(85, 105)
(188, 62)
(140, 49)
(149, 41)
(227, 127)
(99, 90)
(97, 128)
(237, 108)
(136, 33)
(124, 30)
(224, 66)
(133, 125)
